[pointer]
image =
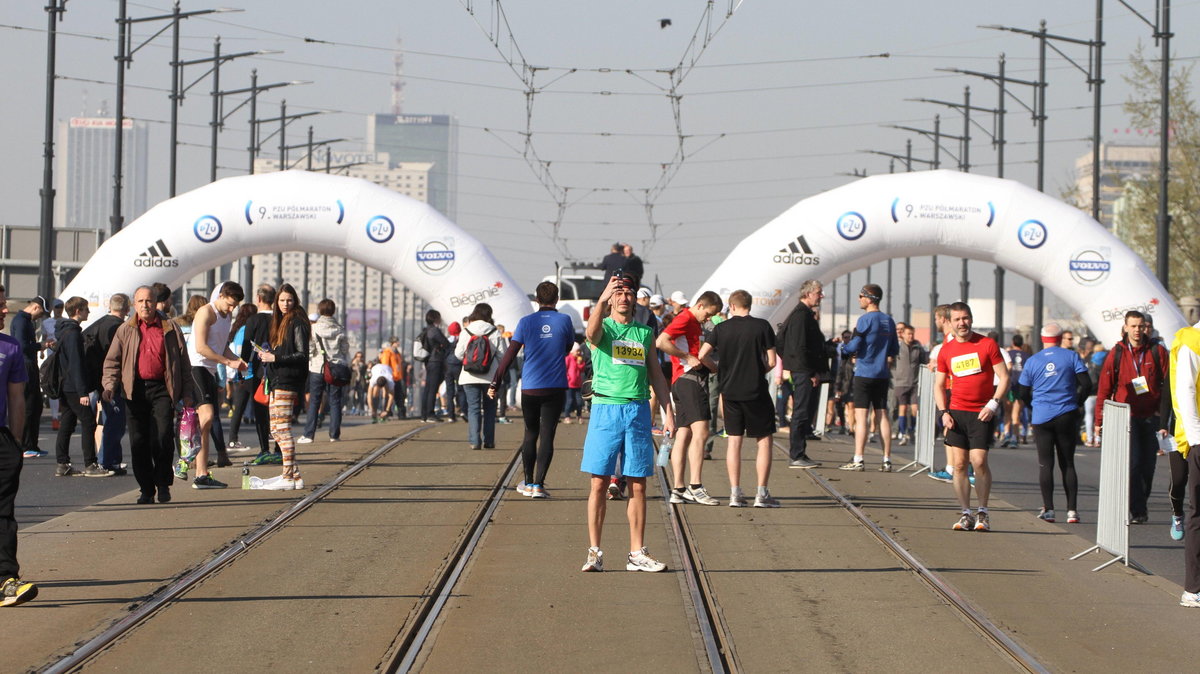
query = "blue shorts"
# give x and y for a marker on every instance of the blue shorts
(619, 431)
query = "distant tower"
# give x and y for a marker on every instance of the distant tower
(398, 80)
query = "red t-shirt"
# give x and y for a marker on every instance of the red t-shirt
(685, 332)
(970, 366)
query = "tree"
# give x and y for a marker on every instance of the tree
(1138, 208)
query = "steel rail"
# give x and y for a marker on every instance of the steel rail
(714, 633)
(973, 615)
(410, 643)
(231, 552)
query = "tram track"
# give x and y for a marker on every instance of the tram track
(412, 630)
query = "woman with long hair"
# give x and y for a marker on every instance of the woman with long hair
(287, 371)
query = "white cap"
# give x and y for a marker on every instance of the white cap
(678, 297)
(643, 292)
(656, 300)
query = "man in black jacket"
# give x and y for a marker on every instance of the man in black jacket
(258, 331)
(802, 348)
(24, 330)
(613, 261)
(96, 340)
(77, 385)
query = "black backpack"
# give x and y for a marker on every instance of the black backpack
(50, 376)
(480, 355)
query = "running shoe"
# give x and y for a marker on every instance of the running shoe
(1176, 528)
(642, 561)
(181, 469)
(1140, 519)
(1189, 599)
(885, 467)
(614, 491)
(941, 476)
(95, 470)
(981, 522)
(853, 465)
(34, 454)
(538, 491)
(1072, 517)
(595, 560)
(803, 462)
(264, 459)
(15, 591)
(145, 498)
(965, 523)
(304, 440)
(700, 496)
(164, 494)
(871, 437)
(523, 489)
(971, 480)
(238, 448)
(63, 470)
(738, 501)
(1046, 515)
(902, 440)
(280, 483)
(766, 501)
(207, 482)
(678, 496)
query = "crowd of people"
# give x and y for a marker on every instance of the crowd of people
(706, 369)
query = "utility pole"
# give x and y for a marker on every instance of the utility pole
(46, 286)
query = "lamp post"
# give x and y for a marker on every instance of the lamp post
(45, 285)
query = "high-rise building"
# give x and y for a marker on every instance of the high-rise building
(1119, 163)
(85, 171)
(430, 139)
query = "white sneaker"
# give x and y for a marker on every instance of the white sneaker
(303, 440)
(738, 501)
(523, 489)
(277, 483)
(765, 501)
(678, 496)
(642, 561)
(1190, 599)
(700, 496)
(595, 560)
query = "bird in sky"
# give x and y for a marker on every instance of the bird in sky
(663, 23)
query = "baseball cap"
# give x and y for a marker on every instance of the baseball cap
(678, 297)
(57, 303)
(643, 292)
(40, 301)
(656, 300)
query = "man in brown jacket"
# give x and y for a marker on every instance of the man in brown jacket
(149, 361)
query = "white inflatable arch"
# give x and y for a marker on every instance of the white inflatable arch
(948, 213)
(310, 212)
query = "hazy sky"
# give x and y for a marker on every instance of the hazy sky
(777, 107)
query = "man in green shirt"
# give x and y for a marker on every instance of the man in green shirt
(625, 366)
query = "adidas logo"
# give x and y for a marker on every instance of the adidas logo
(797, 252)
(156, 255)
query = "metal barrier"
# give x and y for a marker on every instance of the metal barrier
(925, 435)
(818, 422)
(1112, 517)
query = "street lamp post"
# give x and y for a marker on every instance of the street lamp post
(46, 286)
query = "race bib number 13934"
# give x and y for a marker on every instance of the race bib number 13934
(628, 352)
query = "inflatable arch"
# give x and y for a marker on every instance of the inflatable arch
(310, 212)
(948, 213)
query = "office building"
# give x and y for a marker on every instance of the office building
(1120, 162)
(429, 139)
(85, 172)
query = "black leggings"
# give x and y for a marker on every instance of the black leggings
(1057, 437)
(1179, 480)
(541, 414)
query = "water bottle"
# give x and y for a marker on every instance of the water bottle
(664, 451)
(246, 477)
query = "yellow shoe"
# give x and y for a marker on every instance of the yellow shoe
(15, 591)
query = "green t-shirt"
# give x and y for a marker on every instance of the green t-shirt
(619, 362)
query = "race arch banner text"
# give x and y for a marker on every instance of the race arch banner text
(947, 213)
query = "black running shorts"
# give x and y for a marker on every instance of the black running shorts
(751, 418)
(906, 395)
(969, 432)
(204, 385)
(691, 401)
(868, 392)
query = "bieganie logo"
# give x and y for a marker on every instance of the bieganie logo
(797, 252)
(474, 297)
(156, 255)
(1118, 313)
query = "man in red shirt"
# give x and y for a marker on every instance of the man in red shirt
(689, 390)
(979, 381)
(148, 364)
(1135, 372)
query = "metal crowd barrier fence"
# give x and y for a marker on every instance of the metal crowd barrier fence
(818, 423)
(925, 433)
(1112, 518)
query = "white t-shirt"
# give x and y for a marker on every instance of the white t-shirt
(380, 370)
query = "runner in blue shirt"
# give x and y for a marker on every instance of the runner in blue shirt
(13, 377)
(1054, 382)
(875, 345)
(547, 337)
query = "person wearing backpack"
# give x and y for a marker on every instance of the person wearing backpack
(328, 344)
(480, 347)
(77, 383)
(96, 339)
(436, 346)
(1136, 372)
(24, 330)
